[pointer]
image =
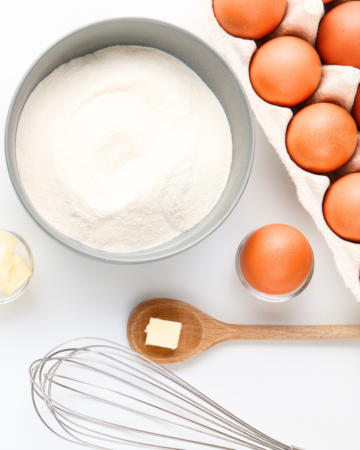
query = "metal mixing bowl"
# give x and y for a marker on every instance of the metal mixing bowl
(194, 53)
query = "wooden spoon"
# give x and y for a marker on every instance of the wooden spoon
(200, 331)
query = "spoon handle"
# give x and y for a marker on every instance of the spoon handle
(296, 332)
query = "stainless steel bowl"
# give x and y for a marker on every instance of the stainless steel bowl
(196, 54)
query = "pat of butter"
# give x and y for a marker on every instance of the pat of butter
(163, 333)
(17, 275)
(6, 261)
(7, 240)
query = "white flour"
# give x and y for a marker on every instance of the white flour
(123, 149)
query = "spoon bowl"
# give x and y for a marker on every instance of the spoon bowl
(166, 309)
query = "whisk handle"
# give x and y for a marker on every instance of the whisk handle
(288, 332)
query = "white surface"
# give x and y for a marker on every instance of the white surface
(301, 393)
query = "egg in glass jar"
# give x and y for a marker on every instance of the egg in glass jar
(275, 262)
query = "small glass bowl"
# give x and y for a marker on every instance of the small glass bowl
(25, 252)
(262, 295)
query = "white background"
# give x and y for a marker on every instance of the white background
(301, 393)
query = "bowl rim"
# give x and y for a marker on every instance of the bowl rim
(141, 256)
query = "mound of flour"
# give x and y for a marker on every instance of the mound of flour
(123, 149)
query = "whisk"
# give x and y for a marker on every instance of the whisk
(103, 395)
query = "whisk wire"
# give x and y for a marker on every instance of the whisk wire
(162, 398)
(76, 361)
(187, 408)
(223, 435)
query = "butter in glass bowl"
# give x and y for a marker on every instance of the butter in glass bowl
(16, 266)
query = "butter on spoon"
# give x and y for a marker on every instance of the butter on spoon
(163, 333)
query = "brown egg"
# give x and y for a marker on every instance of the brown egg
(276, 259)
(342, 207)
(321, 137)
(356, 106)
(285, 71)
(249, 19)
(338, 39)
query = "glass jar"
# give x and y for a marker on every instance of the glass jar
(265, 296)
(22, 249)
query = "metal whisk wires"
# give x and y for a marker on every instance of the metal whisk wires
(102, 395)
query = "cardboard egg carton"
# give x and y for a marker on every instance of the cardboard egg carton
(338, 85)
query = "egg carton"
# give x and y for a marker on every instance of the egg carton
(338, 85)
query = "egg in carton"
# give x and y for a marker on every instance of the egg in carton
(338, 85)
